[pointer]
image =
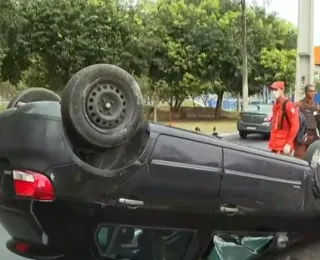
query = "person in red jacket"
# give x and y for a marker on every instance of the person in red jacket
(283, 132)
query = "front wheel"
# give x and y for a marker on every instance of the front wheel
(243, 134)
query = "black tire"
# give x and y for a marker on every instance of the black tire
(32, 95)
(243, 134)
(315, 146)
(102, 105)
(310, 251)
(10, 104)
(111, 159)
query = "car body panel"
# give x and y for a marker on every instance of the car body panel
(173, 168)
(179, 181)
(278, 191)
(254, 128)
(244, 179)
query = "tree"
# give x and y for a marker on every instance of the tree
(13, 49)
(175, 57)
(66, 36)
(280, 64)
(244, 54)
(176, 49)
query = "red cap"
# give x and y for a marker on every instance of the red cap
(277, 85)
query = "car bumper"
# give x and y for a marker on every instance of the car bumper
(263, 128)
(19, 220)
(20, 223)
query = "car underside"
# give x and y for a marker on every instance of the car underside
(86, 176)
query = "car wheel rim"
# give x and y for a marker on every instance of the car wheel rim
(107, 104)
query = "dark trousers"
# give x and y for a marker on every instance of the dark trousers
(300, 149)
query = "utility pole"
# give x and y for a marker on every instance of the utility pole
(305, 60)
(155, 101)
(245, 87)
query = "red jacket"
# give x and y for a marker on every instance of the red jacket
(280, 137)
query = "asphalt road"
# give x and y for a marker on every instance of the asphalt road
(256, 141)
(5, 254)
(252, 140)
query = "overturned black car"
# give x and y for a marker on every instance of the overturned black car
(87, 177)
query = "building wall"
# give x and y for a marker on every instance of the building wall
(316, 50)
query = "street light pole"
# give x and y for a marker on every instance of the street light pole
(305, 60)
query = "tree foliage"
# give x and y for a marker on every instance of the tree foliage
(175, 48)
(281, 65)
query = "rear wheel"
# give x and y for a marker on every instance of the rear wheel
(243, 134)
(102, 106)
(312, 150)
(10, 104)
(32, 95)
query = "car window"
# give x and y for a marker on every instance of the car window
(237, 246)
(176, 149)
(142, 243)
(260, 108)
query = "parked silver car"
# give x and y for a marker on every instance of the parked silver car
(255, 120)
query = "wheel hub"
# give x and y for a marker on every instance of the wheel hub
(105, 105)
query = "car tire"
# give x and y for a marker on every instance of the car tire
(102, 106)
(32, 95)
(310, 251)
(10, 104)
(315, 146)
(112, 159)
(243, 134)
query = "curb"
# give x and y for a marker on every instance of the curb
(227, 134)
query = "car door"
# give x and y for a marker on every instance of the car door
(258, 186)
(183, 176)
(177, 191)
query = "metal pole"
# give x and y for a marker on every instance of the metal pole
(305, 60)
(244, 36)
(155, 115)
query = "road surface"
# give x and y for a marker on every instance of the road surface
(5, 254)
(254, 140)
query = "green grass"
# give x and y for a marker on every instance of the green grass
(227, 125)
(3, 106)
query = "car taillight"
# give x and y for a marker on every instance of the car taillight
(267, 119)
(33, 185)
(22, 247)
